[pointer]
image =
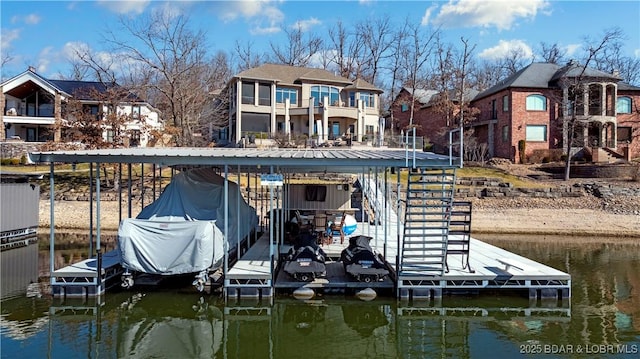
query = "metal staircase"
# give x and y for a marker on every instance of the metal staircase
(426, 222)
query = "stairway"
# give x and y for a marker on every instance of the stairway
(426, 221)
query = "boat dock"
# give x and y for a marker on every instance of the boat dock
(413, 221)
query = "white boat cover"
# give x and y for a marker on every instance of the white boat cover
(168, 248)
(172, 234)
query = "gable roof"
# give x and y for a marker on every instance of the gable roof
(423, 96)
(295, 75)
(68, 88)
(79, 89)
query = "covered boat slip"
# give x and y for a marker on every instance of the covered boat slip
(410, 232)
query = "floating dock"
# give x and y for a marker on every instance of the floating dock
(418, 228)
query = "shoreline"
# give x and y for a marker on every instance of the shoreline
(489, 217)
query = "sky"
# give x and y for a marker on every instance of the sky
(42, 34)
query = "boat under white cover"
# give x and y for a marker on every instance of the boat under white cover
(183, 230)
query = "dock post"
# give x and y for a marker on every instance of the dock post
(533, 294)
(403, 293)
(99, 272)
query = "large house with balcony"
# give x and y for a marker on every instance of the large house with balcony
(35, 110)
(301, 102)
(530, 110)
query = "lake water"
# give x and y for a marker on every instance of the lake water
(602, 319)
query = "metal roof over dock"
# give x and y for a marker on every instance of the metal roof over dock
(331, 160)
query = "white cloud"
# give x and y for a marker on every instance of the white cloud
(31, 19)
(263, 17)
(8, 36)
(572, 48)
(427, 15)
(501, 14)
(44, 59)
(637, 53)
(125, 7)
(506, 48)
(305, 25)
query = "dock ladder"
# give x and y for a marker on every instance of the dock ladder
(426, 222)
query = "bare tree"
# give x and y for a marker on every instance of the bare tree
(297, 50)
(575, 82)
(397, 45)
(376, 36)
(419, 47)
(611, 59)
(552, 53)
(171, 60)
(347, 49)
(247, 58)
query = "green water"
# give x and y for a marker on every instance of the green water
(602, 319)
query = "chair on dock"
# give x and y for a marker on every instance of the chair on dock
(320, 227)
(337, 228)
(302, 224)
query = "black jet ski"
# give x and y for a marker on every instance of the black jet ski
(361, 262)
(305, 260)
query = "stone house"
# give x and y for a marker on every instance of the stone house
(276, 99)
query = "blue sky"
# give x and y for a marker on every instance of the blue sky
(41, 33)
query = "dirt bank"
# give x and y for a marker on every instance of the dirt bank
(584, 216)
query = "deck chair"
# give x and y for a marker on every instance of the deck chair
(301, 224)
(337, 229)
(320, 227)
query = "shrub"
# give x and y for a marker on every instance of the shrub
(522, 149)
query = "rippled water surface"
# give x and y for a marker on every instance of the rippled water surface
(602, 319)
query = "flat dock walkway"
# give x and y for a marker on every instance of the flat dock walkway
(81, 279)
(491, 268)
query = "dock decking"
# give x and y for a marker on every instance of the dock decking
(80, 280)
(491, 268)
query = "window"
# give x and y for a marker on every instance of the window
(505, 133)
(536, 103)
(404, 107)
(537, 133)
(505, 103)
(320, 92)
(494, 110)
(110, 135)
(135, 111)
(264, 94)
(368, 99)
(352, 99)
(624, 134)
(283, 93)
(623, 105)
(248, 93)
(134, 139)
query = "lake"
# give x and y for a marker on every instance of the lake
(602, 318)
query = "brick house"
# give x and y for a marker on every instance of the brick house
(528, 106)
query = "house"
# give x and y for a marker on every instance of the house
(35, 110)
(430, 118)
(301, 102)
(534, 106)
(529, 112)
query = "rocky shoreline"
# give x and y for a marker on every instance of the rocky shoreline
(606, 210)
